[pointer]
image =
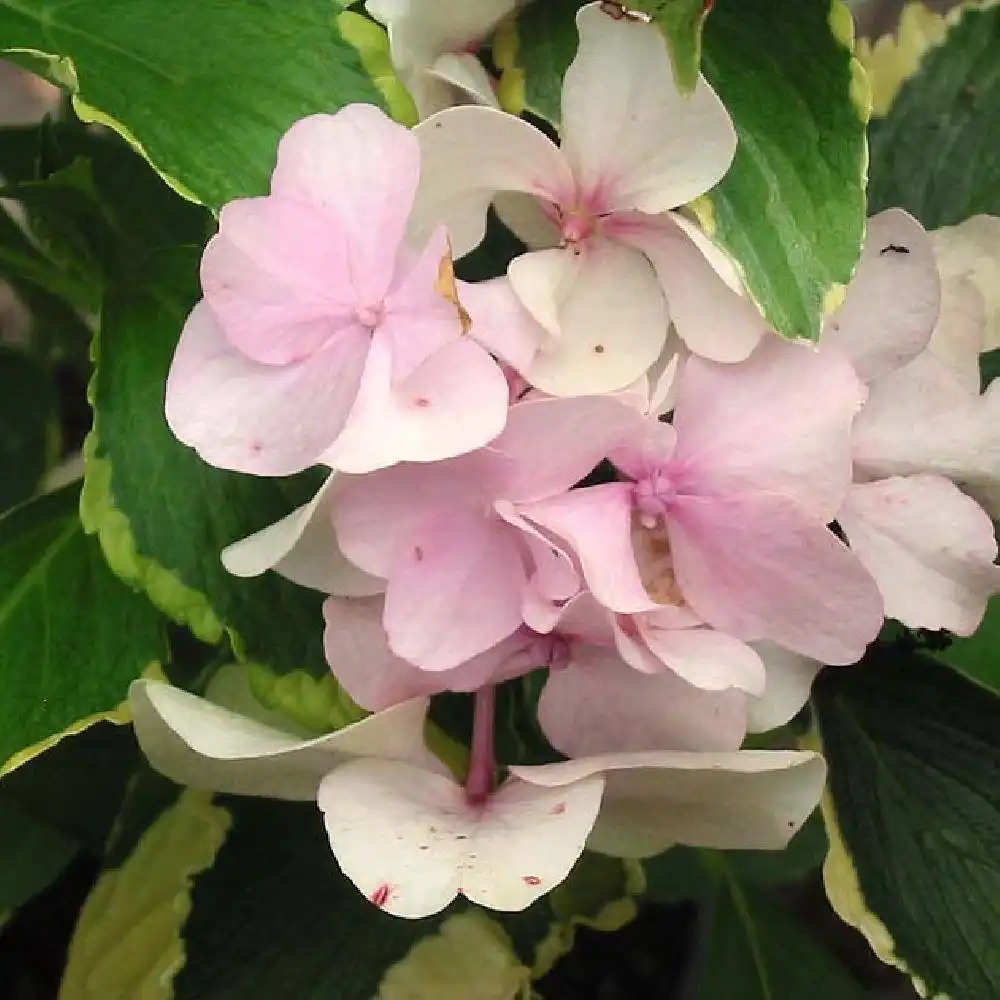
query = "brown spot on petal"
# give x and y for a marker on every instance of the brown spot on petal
(531, 880)
(447, 288)
(381, 895)
(598, 348)
(418, 554)
(559, 808)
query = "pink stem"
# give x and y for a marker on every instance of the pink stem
(479, 783)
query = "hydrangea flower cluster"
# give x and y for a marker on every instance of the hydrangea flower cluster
(759, 506)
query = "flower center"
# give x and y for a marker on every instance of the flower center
(652, 498)
(370, 316)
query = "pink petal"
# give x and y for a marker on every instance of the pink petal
(376, 515)
(468, 155)
(596, 524)
(781, 422)
(303, 548)
(261, 419)
(362, 169)
(669, 147)
(712, 319)
(500, 322)
(759, 567)
(453, 403)
(277, 278)
(550, 444)
(705, 658)
(893, 300)
(751, 799)
(454, 590)
(411, 841)
(930, 548)
(958, 337)
(598, 704)
(605, 309)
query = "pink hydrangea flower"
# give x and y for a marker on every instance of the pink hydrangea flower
(323, 337)
(611, 270)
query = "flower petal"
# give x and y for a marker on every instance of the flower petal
(303, 548)
(452, 404)
(500, 322)
(468, 155)
(262, 419)
(606, 312)
(411, 840)
(669, 148)
(747, 800)
(958, 337)
(789, 680)
(454, 590)
(759, 567)
(781, 422)
(596, 524)
(930, 548)
(712, 319)
(362, 169)
(893, 300)
(599, 704)
(194, 742)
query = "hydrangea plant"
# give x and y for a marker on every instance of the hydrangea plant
(495, 486)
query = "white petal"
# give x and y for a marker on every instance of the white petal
(303, 548)
(194, 742)
(470, 153)
(893, 300)
(958, 337)
(747, 800)
(713, 319)
(971, 250)
(464, 73)
(627, 129)
(605, 309)
(411, 840)
(789, 680)
(930, 548)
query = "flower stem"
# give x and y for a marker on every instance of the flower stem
(479, 783)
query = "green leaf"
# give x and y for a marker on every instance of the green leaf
(162, 515)
(978, 656)
(72, 637)
(27, 409)
(32, 855)
(756, 951)
(937, 154)
(914, 753)
(204, 90)
(791, 210)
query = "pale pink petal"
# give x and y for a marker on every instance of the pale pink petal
(470, 153)
(550, 444)
(453, 403)
(779, 422)
(500, 322)
(930, 548)
(958, 337)
(194, 742)
(411, 841)
(747, 800)
(362, 169)
(454, 590)
(599, 704)
(790, 678)
(712, 319)
(262, 419)
(583, 620)
(759, 567)
(922, 418)
(705, 658)
(606, 314)
(893, 300)
(596, 524)
(278, 279)
(303, 548)
(376, 515)
(627, 130)
(648, 450)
